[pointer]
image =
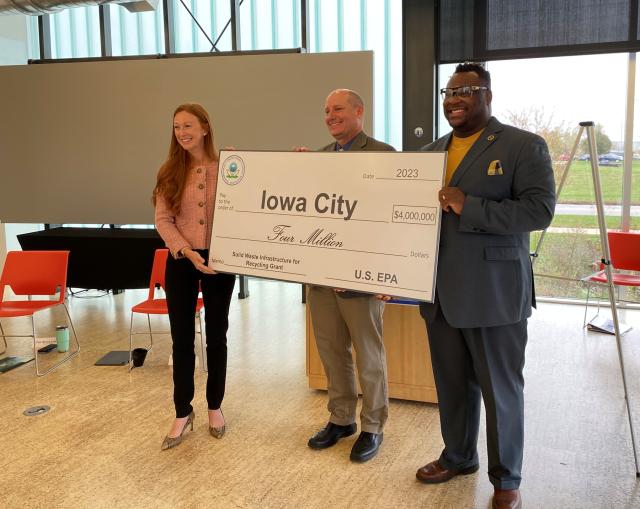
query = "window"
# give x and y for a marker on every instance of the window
(139, 33)
(335, 25)
(75, 33)
(550, 96)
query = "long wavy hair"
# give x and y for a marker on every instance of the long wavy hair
(172, 176)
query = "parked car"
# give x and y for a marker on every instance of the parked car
(636, 156)
(563, 157)
(612, 158)
(585, 157)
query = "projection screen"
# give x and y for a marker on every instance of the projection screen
(82, 142)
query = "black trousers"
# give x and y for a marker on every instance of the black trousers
(182, 282)
(487, 363)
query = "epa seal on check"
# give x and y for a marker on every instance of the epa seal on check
(232, 170)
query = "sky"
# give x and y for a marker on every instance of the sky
(574, 89)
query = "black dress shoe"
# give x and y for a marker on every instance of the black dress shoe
(366, 447)
(330, 434)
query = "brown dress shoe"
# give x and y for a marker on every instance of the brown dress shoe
(506, 499)
(433, 473)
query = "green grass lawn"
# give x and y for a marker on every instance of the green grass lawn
(570, 255)
(579, 185)
(613, 222)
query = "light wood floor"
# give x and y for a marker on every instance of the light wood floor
(99, 446)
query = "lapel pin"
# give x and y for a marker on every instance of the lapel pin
(490, 137)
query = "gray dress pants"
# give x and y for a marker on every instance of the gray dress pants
(337, 323)
(482, 362)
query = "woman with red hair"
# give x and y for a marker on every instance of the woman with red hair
(184, 198)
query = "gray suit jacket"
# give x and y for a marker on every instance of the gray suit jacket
(362, 142)
(366, 143)
(484, 275)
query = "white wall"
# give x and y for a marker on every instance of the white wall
(12, 230)
(13, 51)
(9, 242)
(13, 40)
(9, 237)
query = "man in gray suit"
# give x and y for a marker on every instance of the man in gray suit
(499, 188)
(341, 318)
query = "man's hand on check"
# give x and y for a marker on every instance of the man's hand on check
(300, 149)
(385, 298)
(451, 198)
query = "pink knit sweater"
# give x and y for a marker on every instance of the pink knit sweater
(192, 226)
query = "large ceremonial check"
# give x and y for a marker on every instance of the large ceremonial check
(364, 221)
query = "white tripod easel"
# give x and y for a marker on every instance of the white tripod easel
(606, 257)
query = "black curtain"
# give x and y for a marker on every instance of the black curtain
(484, 30)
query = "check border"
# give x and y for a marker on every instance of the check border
(437, 251)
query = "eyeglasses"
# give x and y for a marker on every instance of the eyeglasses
(462, 92)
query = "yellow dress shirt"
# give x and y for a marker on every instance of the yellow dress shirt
(458, 148)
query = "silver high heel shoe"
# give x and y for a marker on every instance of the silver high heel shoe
(169, 442)
(218, 432)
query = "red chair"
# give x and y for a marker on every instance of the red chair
(34, 273)
(153, 306)
(625, 255)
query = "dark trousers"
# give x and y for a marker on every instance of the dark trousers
(482, 362)
(182, 280)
